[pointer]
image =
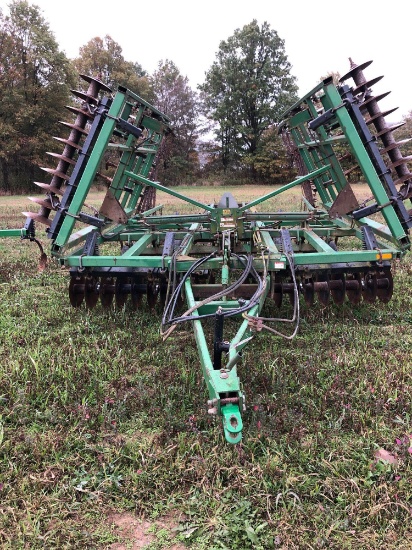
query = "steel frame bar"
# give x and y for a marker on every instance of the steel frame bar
(365, 163)
(14, 232)
(90, 171)
(169, 191)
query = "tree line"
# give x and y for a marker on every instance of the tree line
(245, 90)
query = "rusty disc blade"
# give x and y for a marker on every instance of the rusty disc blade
(394, 145)
(104, 178)
(49, 188)
(81, 112)
(373, 98)
(100, 84)
(106, 291)
(365, 85)
(91, 291)
(309, 292)
(121, 293)
(400, 161)
(382, 114)
(61, 157)
(76, 290)
(38, 218)
(338, 288)
(308, 192)
(136, 296)
(390, 129)
(354, 70)
(85, 97)
(385, 286)
(351, 169)
(402, 179)
(74, 127)
(322, 288)
(42, 202)
(370, 288)
(152, 294)
(55, 172)
(68, 142)
(354, 288)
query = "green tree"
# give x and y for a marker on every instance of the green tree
(246, 90)
(272, 161)
(174, 97)
(103, 58)
(34, 86)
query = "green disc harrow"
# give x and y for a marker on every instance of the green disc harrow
(226, 260)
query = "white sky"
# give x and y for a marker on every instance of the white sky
(319, 36)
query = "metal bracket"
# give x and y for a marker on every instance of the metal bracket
(89, 248)
(344, 203)
(112, 209)
(286, 242)
(368, 238)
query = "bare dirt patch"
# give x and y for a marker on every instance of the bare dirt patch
(138, 533)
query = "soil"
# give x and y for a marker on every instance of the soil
(135, 534)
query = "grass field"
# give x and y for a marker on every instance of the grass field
(105, 440)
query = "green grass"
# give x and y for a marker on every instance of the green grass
(98, 418)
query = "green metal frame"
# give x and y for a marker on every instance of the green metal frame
(22, 233)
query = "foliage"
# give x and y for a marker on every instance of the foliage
(272, 162)
(335, 75)
(102, 58)
(174, 97)
(246, 90)
(34, 86)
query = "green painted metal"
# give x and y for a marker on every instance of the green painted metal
(364, 161)
(284, 188)
(90, 171)
(220, 382)
(232, 423)
(133, 157)
(170, 191)
(13, 232)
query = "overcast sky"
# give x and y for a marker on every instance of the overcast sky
(319, 36)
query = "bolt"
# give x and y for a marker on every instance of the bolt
(213, 410)
(223, 374)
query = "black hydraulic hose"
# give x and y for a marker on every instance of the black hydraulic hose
(230, 312)
(173, 272)
(216, 296)
(178, 289)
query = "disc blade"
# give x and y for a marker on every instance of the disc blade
(38, 218)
